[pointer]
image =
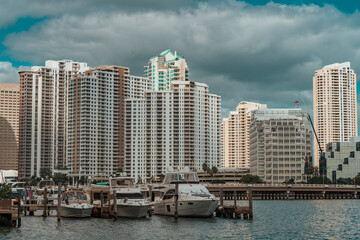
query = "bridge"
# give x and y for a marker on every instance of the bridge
(284, 191)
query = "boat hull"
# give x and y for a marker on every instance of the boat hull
(132, 211)
(187, 208)
(75, 212)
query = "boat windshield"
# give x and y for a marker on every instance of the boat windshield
(187, 177)
(70, 196)
(129, 196)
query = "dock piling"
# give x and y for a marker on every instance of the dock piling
(19, 207)
(176, 199)
(45, 202)
(115, 205)
(59, 202)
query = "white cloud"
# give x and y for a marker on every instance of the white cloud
(265, 53)
(9, 73)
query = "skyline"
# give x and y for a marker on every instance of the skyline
(292, 41)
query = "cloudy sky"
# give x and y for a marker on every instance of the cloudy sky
(244, 50)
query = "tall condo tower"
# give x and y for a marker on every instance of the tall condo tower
(164, 68)
(9, 126)
(96, 119)
(236, 140)
(177, 128)
(43, 115)
(335, 106)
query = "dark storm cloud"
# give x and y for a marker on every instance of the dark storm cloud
(265, 53)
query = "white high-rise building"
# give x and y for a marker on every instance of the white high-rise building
(164, 68)
(96, 119)
(43, 115)
(335, 105)
(176, 128)
(280, 140)
(236, 140)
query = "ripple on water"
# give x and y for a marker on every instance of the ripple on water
(313, 219)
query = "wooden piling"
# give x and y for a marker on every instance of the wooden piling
(250, 203)
(176, 199)
(45, 203)
(101, 203)
(59, 202)
(114, 205)
(19, 208)
(221, 197)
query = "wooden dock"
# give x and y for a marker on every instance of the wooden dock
(246, 212)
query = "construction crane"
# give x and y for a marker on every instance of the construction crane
(307, 160)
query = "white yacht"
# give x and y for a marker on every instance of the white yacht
(194, 200)
(75, 204)
(129, 199)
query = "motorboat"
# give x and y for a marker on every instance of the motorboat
(129, 199)
(95, 187)
(194, 199)
(75, 204)
(51, 191)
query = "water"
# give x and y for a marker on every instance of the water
(308, 219)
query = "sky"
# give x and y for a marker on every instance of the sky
(257, 50)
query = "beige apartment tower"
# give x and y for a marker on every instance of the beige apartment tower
(236, 140)
(335, 107)
(43, 115)
(9, 126)
(96, 119)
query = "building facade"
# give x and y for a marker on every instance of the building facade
(236, 139)
(342, 159)
(335, 105)
(176, 128)
(280, 140)
(96, 115)
(43, 115)
(9, 126)
(164, 68)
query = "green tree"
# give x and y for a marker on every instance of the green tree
(139, 180)
(248, 178)
(59, 177)
(152, 179)
(319, 180)
(45, 172)
(5, 192)
(82, 180)
(205, 167)
(356, 180)
(33, 181)
(162, 176)
(289, 181)
(215, 170)
(345, 181)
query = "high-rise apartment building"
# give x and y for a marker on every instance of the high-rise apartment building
(96, 115)
(164, 68)
(236, 140)
(280, 140)
(9, 126)
(335, 105)
(176, 128)
(43, 115)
